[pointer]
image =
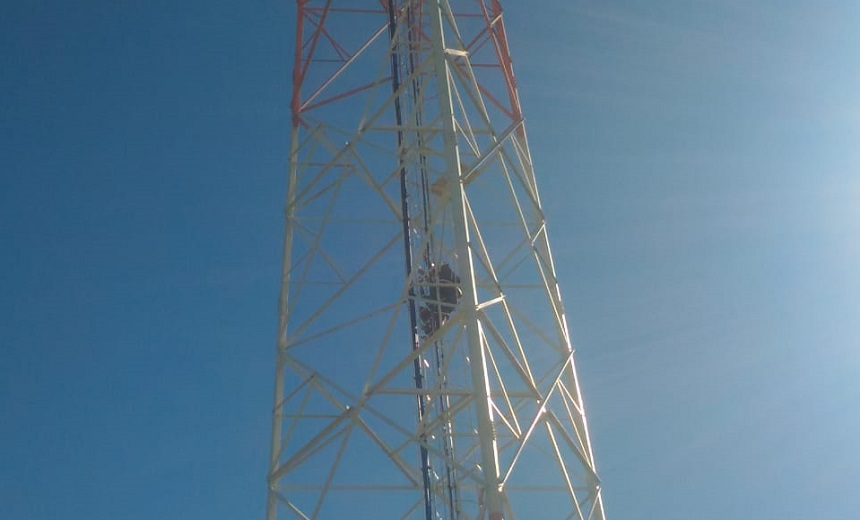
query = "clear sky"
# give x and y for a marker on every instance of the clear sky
(700, 168)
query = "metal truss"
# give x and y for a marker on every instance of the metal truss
(403, 392)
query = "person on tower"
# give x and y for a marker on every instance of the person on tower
(443, 294)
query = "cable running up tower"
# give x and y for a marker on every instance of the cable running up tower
(424, 367)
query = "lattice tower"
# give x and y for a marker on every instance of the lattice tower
(424, 365)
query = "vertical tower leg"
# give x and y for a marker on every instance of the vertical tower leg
(474, 334)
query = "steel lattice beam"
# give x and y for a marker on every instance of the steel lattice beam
(393, 398)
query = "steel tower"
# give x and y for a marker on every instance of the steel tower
(424, 365)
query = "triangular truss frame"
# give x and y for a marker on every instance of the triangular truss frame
(409, 151)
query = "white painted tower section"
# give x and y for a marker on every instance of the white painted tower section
(424, 366)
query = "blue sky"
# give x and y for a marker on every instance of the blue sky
(698, 164)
